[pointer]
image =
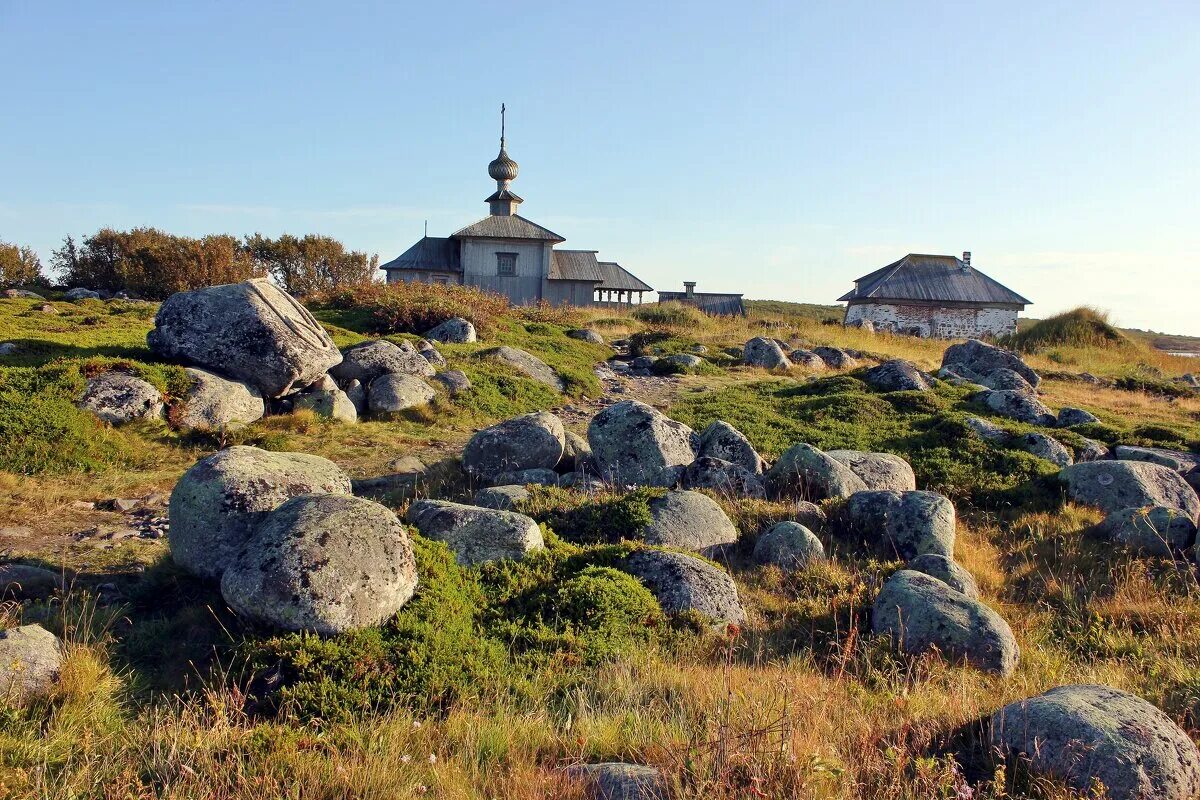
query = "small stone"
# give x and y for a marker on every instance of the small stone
(476, 535)
(1069, 417)
(397, 392)
(31, 659)
(789, 546)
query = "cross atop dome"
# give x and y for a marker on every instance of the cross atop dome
(503, 170)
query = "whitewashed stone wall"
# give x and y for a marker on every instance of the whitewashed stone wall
(936, 321)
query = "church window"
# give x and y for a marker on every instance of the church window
(506, 263)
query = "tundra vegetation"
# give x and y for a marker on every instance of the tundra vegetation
(495, 678)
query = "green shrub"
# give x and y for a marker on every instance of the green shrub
(1080, 327)
(591, 519)
(608, 611)
(672, 314)
(408, 307)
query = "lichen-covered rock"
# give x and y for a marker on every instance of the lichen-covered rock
(22, 581)
(118, 397)
(878, 471)
(904, 524)
(633, 443)
(501, 498)
(356, 393)
(1018, 405)
(948, 571)
(619, 781)
(79, 293)
(689, 521)
(455, 381)
(329, 403)
(219, 502)
(724, 477)
(431, 354)
(1114, 485)
(214, 403)
(455, 330)
(370, 360)
(476, 535)
(685, 583)
(530, 441)
(539, 476)
(984, 359)
(1070, 417)
(808, 360)
(527, 364)
(805, 472)
(395, 392)
(684, 360)
(1003, 379)
(898, 376)
(1154, 529)
(1046, 447)
(789, 546)
(577, 454)
(722, 440)
(835, 357)
(921, 613)
(251, 331)
(987, 430)
(1091, 450)
(810, 515)
(31, 659)
(765, 353)
(324, 563)
(1086, 734)
(586, 335)
(1186, 464)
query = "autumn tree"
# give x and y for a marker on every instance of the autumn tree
(312, 263)
(19, 266)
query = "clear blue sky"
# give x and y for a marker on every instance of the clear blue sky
(777, 149)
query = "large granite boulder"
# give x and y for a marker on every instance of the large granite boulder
(1186, 464)
(921, 614)
(1005, 379)
(476, 535)
(903, 524)
(689, 521)
(1086, 734)
(898, 376)
(614, 780)
(1070, 417)
(215, 403)
(633, 443)
(324, 563)
(1018, 405)
(724, 477)
(455, 330)
(878, 471)
(218, 503)
(527, 364)
(789, 546)
(946, 570)
(984, 359)
(836, 358)
(252, 331)
(1154, 529)
(530, 441)
(370, 360)
(394, 392)
(1114, 485)
(722, 440)
(766, 353)
(118, 397)
(685, 583)
(804, 472)
(1047, 448)
(31, 659)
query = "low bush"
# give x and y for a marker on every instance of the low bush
(591, 519)
(672, 314)
(1080, 327)
(409, 307)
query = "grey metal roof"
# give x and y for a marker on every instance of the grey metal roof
(574, 265)
(617, 277)
(932, 278)
(508, 227)
(432, 253)
(708, 302)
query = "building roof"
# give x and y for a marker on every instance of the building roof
(617, 277)
(431, 252)
(932, 279)
(507, 227)
(708, 302)
(574, 265)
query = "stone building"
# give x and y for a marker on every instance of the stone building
(510, 255)
(934, 296)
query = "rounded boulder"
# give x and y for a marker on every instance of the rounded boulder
(689, 521)
(633, 443)
(789, 546)
(530, 441)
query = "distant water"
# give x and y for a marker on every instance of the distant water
(1185, 355)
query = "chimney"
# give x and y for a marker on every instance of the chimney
(966, 259)
(689, 288)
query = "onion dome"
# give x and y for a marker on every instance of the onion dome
(503, 169)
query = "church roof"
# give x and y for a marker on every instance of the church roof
(617, 277)
(574, 265)
(932, 278)
(507, 227)
(431, 252)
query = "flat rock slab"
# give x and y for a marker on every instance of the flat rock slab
(31, 659)
(476, 535)
(251, 331)
(1086, 733)
(324, 563)
(525, 363)
(1114, 485)
(685, 583)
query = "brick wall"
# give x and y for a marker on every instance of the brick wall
(936, 321)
